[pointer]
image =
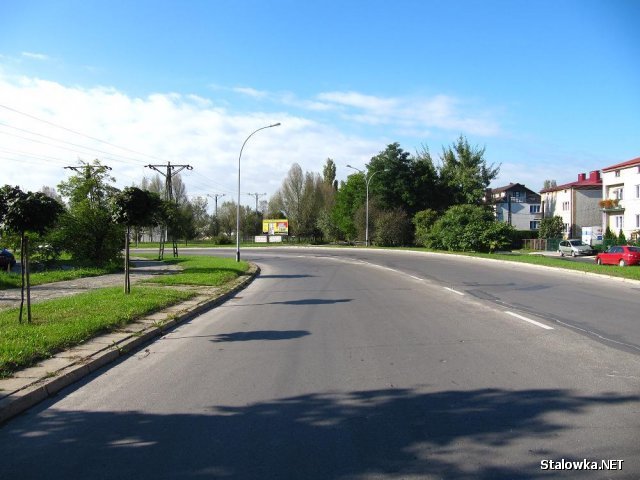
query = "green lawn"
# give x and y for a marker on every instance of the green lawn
(13, 280)
(65, 322)
(630, 272)
(201, 270)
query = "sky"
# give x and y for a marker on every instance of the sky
(549, 89)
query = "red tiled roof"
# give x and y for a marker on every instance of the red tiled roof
(628, 163)
(588, 182)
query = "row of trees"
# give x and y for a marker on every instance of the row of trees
(412, 199)
(409, 196)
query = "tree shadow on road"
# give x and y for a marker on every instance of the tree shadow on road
(388, 433)
(260, 335)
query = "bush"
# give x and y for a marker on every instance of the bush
(221, 240)
(551, 227)
(520, 235)
(392, 228)
(469, 228)
(622, 240)
(423, 221)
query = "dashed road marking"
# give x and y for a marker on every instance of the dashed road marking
(541, 325)
(454, 291)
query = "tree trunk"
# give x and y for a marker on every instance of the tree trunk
(127, 280)
(26, 262)
(22, 273)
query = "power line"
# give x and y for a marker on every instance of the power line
(257, 195)
(168, 195)
(216, 196)
(33, 140)
(77, 133)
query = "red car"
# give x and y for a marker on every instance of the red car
(619, 255)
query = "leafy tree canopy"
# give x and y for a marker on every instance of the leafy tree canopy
(92, 181)
(464, 173)
(551, 227)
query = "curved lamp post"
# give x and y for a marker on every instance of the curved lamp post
(367, 179)
(238, 206)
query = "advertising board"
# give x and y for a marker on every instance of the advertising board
(275, 227)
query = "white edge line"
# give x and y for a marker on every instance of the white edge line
(454, 291)
(541, 325)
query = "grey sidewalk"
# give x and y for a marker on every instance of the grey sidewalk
(141, 269)
(30, 386)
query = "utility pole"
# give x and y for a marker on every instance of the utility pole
(88, 170)
(215, 196)
(168, 196)
(257, 195)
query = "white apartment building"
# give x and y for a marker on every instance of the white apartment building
(576, 202)
(621, 198)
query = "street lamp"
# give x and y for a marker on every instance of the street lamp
(238, 206)
(367, 179)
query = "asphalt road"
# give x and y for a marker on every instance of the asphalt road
(384, 366)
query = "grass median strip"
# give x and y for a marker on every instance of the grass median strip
(201, 270)
(64, 322)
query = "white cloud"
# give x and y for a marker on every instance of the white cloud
(408, 114)
(250, 92)
(161, 127)
(35, 56)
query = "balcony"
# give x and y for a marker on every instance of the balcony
(611, 205)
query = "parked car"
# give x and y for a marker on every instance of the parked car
(619, 255)
(574, 247)
(6, 259)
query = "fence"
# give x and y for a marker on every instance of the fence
(542, 244)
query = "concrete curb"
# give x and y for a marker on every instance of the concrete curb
(33, 385)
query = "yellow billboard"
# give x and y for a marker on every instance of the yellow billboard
(275, 227)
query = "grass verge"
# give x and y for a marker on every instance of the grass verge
(201, 270)
(630, 272)
(65, 322)
(13, 280)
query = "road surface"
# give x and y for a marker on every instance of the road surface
(383, 366)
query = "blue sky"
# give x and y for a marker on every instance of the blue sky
(550, 88)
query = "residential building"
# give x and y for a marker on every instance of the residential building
(576, 202)
(517, 205)
(621, 198)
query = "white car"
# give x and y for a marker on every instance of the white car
(574, 247)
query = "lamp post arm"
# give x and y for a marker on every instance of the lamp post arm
(238, 205)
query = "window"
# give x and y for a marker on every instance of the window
(617, 174)
(536, 208)
(535, 224)
(619, 222)
(618, 193)
(516, 197)
(637, 221)
(566, 206)
(565, 228)
(637, 191)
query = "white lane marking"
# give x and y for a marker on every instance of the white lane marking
(541, 325)
(454, 291)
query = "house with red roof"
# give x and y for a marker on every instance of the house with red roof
(620, 203)
(576, 202)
